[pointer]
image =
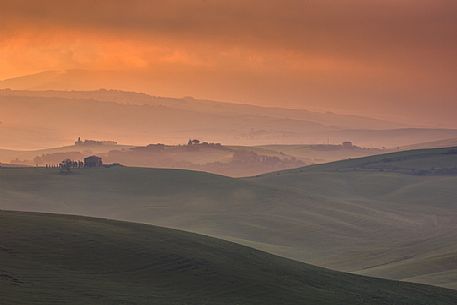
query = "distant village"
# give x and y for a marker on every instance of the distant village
(193, 154)
(97, 162)
(192, 145)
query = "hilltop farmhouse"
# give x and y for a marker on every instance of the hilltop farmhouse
(93, 161)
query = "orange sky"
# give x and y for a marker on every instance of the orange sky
(383, 58)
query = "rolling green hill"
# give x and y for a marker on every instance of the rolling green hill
(56, 259)
(436, 161)
(347, 216)
(412, 192)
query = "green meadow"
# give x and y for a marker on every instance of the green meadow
(57, 259)
(392, 216)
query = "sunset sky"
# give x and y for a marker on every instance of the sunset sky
(393, 59)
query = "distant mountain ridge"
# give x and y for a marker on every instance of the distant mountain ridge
(38, 119)
(189, 103)
(90, 81)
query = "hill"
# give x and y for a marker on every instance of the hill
(192, 104)
(433, 144)
(216, 158)
(27, 156)
(136, 124)
(371, 221)
(54, 259)
(438, 161)
(53, 118)
(323, 153)
(411, 191)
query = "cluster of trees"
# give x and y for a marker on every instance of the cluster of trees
(67, 164)
(56, 158)
(149, 148)
(195, 145)
(198, 142)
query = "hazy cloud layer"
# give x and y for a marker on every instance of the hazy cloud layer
(385, 58)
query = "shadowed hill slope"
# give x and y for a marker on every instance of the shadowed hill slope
(55, 259)
(374, 222)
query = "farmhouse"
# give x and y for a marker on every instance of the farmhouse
(93, 161)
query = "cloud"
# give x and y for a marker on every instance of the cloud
(346, 54)
(293, 23)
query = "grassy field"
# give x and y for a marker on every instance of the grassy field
(56, 259)
(350, 216)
